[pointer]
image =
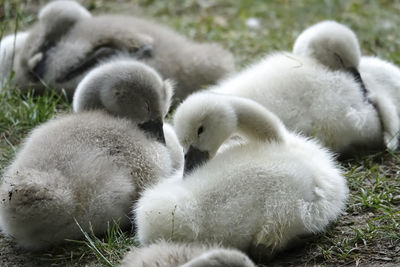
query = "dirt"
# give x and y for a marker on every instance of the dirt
(311, 253)
(12, 255)
(308, 253)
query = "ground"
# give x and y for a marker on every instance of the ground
(367, 234)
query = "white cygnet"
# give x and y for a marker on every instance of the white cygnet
(257, 197)
(349, 106)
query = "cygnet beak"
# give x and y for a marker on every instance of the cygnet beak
(357, 77)
(37, 66)
(37, 63)
(155, 128)
(194, 158)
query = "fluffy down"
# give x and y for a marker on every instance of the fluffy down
(257, 196)
(67, 42)
(89, 167)
(332, 44)
(311, 99)
(86, 168)
(316, 91)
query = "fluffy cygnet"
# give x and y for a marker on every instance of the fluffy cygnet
(311, 99)
(256, 197)
(167, 254)
(348, 110)
(88, 167)
(336, 46)
(67, 42)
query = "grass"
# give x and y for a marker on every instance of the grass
(19, 113)
(373, 214)
(369, 232)
(110, 249)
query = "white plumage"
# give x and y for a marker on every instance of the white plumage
(332, 44)
(256, 196)
(167, 254)
(311, 99)
(315, 90)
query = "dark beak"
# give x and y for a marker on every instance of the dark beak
(145, 51)
(357, 76)
(40, 69)
(194, 158)
(154, 128)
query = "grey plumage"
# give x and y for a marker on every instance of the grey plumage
(89, 166)
(117, 84)
(60, 56)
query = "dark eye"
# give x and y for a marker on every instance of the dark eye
(200, 130)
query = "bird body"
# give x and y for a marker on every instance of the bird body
(256, 196)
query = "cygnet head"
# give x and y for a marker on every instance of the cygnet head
(202, 123)
(61, 14)
(55, 19)
(126, 88)
(331, 43)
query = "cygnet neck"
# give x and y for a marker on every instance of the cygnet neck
(256, 122)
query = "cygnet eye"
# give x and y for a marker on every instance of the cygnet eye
(200, 130)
